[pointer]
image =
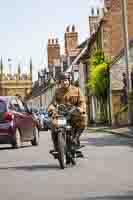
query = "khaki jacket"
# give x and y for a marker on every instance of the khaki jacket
(70, 96)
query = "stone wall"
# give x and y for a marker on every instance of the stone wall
(118, 119)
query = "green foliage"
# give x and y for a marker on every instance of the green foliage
(99, 76)
(98, 84)
(99, 81)
(97, 59)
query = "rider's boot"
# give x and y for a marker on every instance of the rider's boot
(79, 154)
(54, 151)
(78, 133)
(77, 143)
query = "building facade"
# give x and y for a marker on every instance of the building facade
(18, 83)
(113, 26)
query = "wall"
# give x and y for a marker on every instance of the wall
(113, 27)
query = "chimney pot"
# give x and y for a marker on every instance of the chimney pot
(52, 41)
(56, 40)
(49, 41)
(92, 11)
(73, 28)
(67, 29)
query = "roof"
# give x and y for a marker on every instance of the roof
(121, 52)
(6, 98)
(86, 45)
(83, 44)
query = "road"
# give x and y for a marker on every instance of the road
(105, 172)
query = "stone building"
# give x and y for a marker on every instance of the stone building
(18, 83)
(114, 48)
(110, 37)
(118, 81)
(106, 33)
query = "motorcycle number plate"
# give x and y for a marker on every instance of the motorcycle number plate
(62, 121)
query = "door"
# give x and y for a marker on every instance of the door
(26, 121)
(23, 120)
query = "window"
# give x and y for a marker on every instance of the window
(13, 105)
(2, 106)
(21, 106)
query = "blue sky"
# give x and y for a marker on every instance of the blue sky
(26, 25)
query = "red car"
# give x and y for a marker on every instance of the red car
(17, 123)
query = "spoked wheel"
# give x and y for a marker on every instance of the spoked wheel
(71, 152)
(61, 150)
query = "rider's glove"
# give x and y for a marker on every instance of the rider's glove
(51, 113)
(80, 110)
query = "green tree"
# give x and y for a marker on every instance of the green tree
(98, 83)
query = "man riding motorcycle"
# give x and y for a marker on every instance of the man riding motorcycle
(68, 94)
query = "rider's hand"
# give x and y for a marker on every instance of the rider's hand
(51, 113)
(80, 110)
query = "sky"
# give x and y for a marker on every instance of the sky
(25, 27)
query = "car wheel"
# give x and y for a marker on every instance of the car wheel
(16, 141)
(35, 141)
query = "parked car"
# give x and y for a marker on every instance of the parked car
(37, 116)
(17, 123)
(43, 117)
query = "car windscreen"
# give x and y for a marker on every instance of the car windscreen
(3, 107)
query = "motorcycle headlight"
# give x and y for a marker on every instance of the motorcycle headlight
(61, 122)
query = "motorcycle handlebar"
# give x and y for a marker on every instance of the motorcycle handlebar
(75, 109)
(68, 109)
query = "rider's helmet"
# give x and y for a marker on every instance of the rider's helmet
(64, 75)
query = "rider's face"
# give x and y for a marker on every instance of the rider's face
(64, 83)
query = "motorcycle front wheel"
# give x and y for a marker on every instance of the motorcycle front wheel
(61, 150)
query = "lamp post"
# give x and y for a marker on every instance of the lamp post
(127, 57)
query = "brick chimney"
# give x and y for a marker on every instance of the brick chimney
(53, 51)
(107, 4)
(94, 19)
(71, 39)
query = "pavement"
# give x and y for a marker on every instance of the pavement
(126, 131)
(105, 172)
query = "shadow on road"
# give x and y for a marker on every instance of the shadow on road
(32, 167)
(107, 140)
(2, 148)
(128, 196)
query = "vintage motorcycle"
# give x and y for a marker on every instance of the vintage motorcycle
(64, 134)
